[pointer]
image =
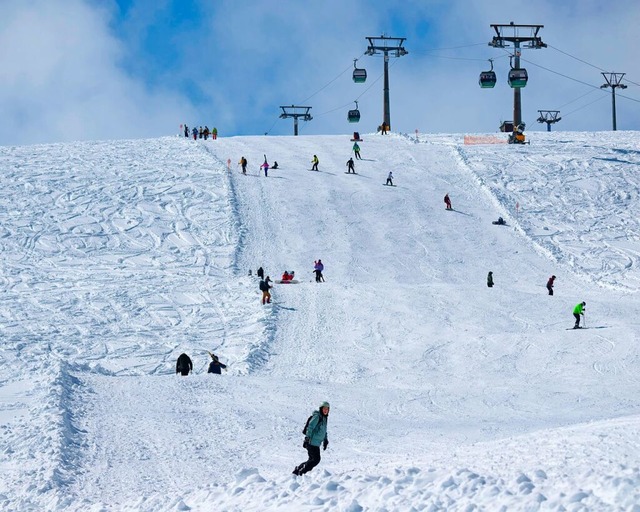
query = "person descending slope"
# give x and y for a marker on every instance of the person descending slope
(550, 283)
(315, 163)
(490, 279)
(390, 179)
(356, 150)
(350, 166)
(577, 311)
(315, 435)
(447, 201)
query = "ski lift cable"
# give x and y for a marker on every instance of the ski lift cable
(583, 106)
(579, 81)
(329, 83)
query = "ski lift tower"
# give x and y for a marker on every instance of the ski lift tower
(520, 36)
(386, 45)
(303, 113)
(550, 117)
(613, 81)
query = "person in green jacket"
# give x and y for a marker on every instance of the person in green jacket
(577, 311)
(315, 435)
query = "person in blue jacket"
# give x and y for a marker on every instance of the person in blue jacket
(316, 436)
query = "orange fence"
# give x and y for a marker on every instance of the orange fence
(483, 139)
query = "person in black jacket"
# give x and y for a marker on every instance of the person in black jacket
(264, 288)
(184, 364)
(215, 366)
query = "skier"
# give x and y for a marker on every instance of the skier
(264, 288)
(184, 364)
(265, 166)
(577, 311)
(447, 201)
(350, 168)
(215, 366)
(195, 133)
(318, 267)
(550, 284)
(315, 435)
(243, 162)
(356, 150)
(390, 179)
(490, 280)
(315, 163)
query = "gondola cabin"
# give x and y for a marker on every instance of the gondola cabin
(353, 116)
(518, 78)
(487, 79)
(359, 75)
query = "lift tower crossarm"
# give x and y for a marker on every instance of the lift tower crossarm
(295, 115)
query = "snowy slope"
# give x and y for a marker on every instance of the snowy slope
(117, 256)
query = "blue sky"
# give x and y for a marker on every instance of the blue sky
(87, 69)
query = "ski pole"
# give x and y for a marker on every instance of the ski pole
(584, 319)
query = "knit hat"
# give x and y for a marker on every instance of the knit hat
(325, 404)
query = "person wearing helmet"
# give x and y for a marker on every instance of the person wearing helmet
(315, 435)
(577, 311)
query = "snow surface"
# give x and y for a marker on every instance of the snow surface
(117, 256)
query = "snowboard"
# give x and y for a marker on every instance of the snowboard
(356, 140)
(351, 173)
(388, 185)
(292, 281)
(576, 328)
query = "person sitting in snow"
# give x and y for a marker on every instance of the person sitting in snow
(286, 277)
(275, 165)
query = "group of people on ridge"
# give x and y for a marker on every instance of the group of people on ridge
(202, 133)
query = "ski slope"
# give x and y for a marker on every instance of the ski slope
(117, 256)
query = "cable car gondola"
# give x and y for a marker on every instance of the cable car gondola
(354, 115)
(359, 75)
(488, 78)
(518, 77)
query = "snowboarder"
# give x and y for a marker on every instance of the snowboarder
(264, 288)
(356, 150)
(577, 311)
(315, 435)
(260, 273)
(215, 366)
(184, 364)
(490, 280)
(315, 163)
(350, 168)
(550, 284)
(318, 267)
(243, 162)
(447, 201)
(499, 222)
(390, 179)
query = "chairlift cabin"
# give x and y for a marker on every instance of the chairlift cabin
(359, 74)
(354, 115)
(488, 78)
(518, 78)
